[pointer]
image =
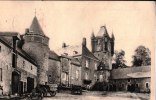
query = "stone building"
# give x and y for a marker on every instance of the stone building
(18, 71)
(54, 69)
(36, 44)
(134, 79)
(87, 60)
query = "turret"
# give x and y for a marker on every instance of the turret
(36, 44)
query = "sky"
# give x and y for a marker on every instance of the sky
(133, 23)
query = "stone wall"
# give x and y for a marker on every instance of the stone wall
(26, 69)
(122, 84)
(5, 68)
(39, 52)
(75, 75)
(54, 72)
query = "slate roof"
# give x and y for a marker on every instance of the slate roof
(75, 61)
(53, 55)
(8, 42)
(70, 50)
(35, 27)
(88, 53)
(102, 31)
(26, 56)
(131, 72)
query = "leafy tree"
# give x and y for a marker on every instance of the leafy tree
(119, 59)
(142, 56)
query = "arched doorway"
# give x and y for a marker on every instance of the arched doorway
(15, 82)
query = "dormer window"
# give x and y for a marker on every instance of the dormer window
(66, 54)
(75, 52)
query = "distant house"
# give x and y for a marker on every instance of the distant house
(134, 79)
(86, 59)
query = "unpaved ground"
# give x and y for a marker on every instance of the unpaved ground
(89, 95)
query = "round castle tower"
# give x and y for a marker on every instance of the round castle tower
(36, 44)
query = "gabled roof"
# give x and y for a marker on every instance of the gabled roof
(8, 42)
(35, 27)
(53, 55)
(131, 72)
(89, 54)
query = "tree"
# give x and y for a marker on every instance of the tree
(119, 59)
(142, 56)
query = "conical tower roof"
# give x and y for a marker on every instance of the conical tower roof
(102, 31)
(36, 28)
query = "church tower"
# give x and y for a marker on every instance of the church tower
(36, 44)
(103, 47)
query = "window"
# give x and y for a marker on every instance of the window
(0, 48)
(95, 76)
(32, 39)
(31, 68)
(7, 67)
(64, 76)
(101, 77)
(49, 76)
(77, 75)
(87, 63)
(106, 39)
(98, 41)
(0, 74)
(86, 75)
(147, 85)
(23, 63)
(95, 66)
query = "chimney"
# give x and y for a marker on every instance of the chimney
(84, 42)
(64, 45)
(26, 30)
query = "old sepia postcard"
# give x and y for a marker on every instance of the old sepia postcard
(77, 50)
